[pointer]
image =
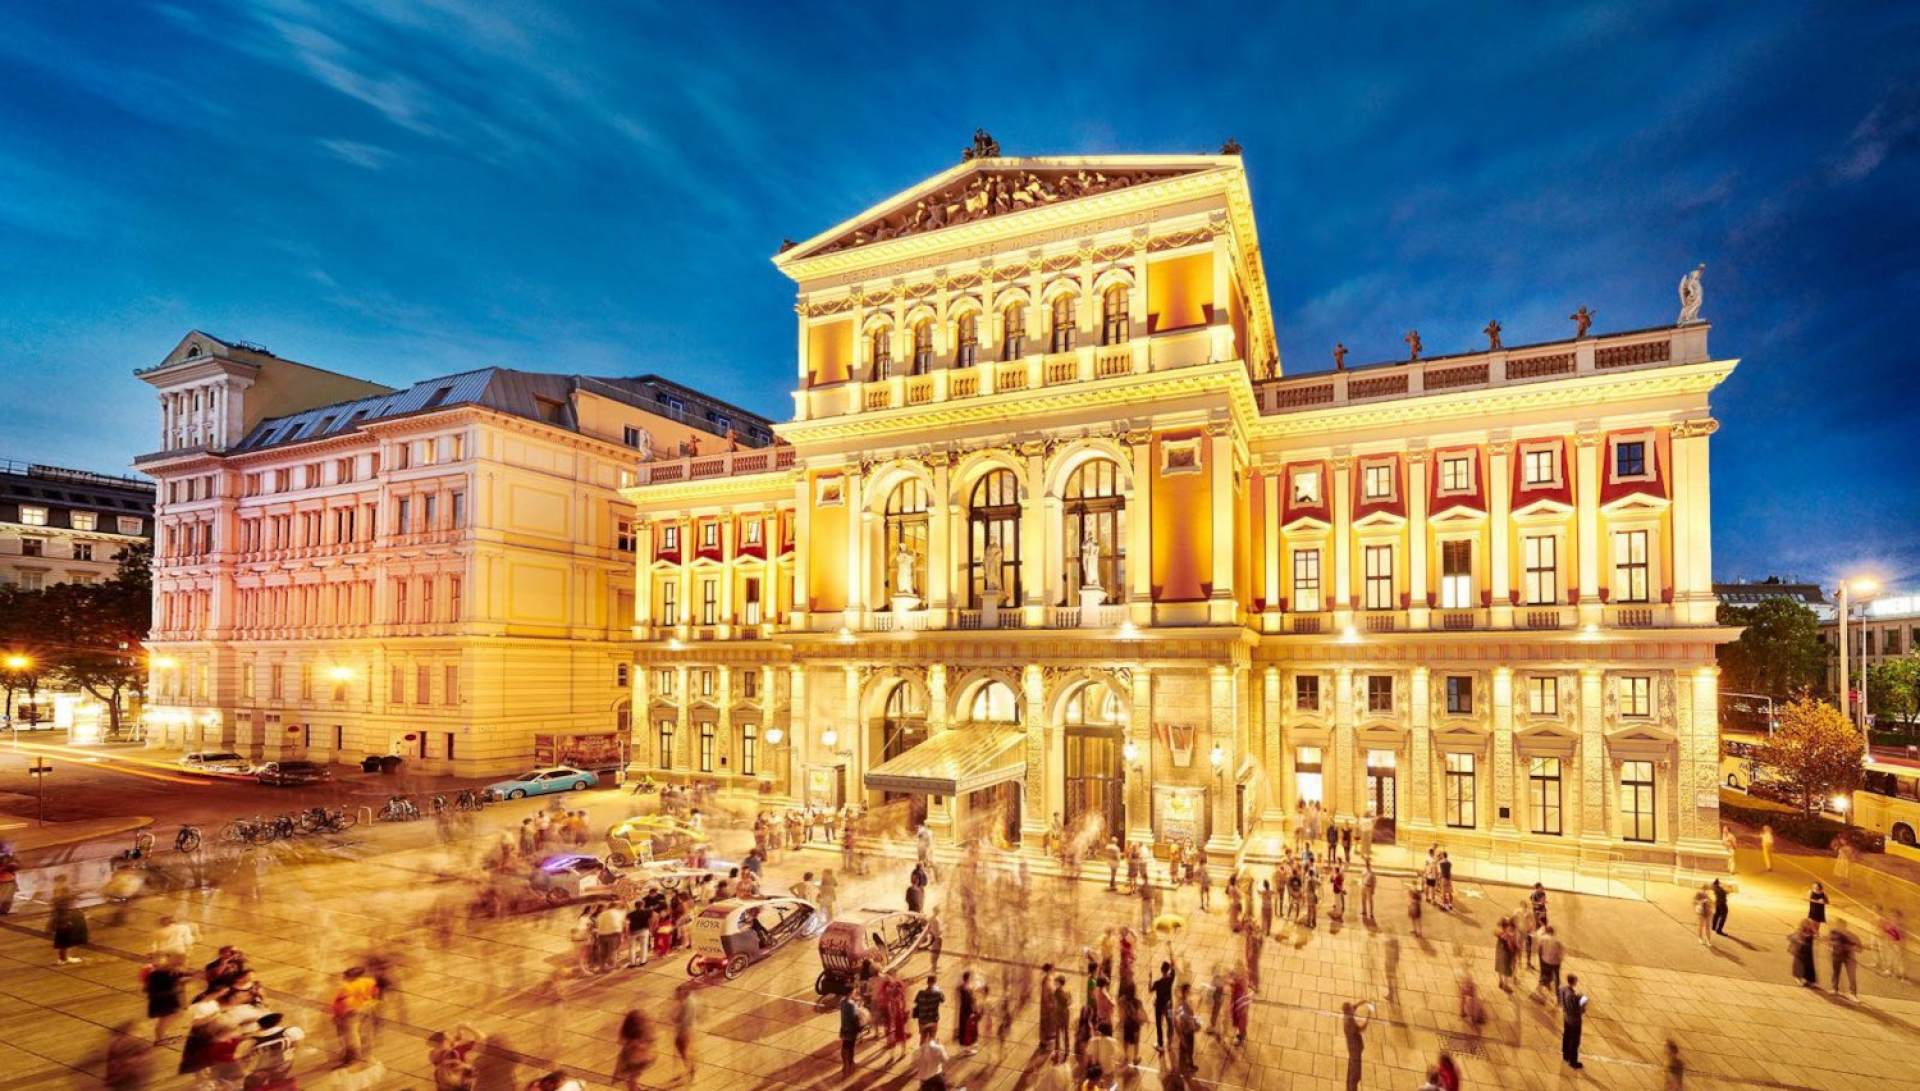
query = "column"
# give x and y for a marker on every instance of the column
(682, 720)
(723, 723)
(939, 554)
(1140, 532)
(1271, 553)
(799, 730)
(1137, 302)
(1222, 345)
(642, 579)
(852, 735)
(1221, 607)
(1041, 800)
(1418, 614)
(1271, 748)
(1036, 568)
(802, 544)
(1419, 798)
(1139, 770)
(1342, 542)
(1503, 752)
(1340, 754)
(1221, 733)
(856, 550)
(1587, 525)
(1500, 504)
(728, 621)
(1693, 596)
(942, 811)
(1593, 757)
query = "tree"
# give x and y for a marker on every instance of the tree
(23, 652)
(101, 627)
(1816, 751)
(1779, 652)
(1893, 689)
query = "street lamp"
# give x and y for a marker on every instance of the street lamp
(1864, 587)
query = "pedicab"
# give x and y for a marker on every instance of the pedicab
(729, 936)
(887, 937)
(572, 876)
(649, 837)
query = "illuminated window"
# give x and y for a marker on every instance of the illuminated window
(1543, 777)
(1115, 324)
(749, 750)
(670, 603)
(967, 341)
(1306, 580)
(1456, 474)
(1063, 322)
(664, 728)
(993, 532)
(709, 602)
(1540, 465)
(1459, 791)
(1456, 575)
(1630, 566)
(84, 520)
(923, 346)
(1309, 780)
(1636, 696)
(1378, 481)
(994, 703)
(1013, 344)
(1542, 570)
(709, 535)
(1379, 562)
(905, 523)
(1306, 692)
(33, 515)
(1636, 801)
(670, 537)
(1459, 695)
(1306, 486)
(1543, 695)
(882, 352)
(708, 736)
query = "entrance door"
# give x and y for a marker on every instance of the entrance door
(1095, 781)
(903, 726)
(1382, 780)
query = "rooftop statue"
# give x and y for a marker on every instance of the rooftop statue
(1691, 295)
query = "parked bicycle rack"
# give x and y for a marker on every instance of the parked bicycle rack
(365, 814)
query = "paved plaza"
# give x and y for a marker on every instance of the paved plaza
(1737, 1015)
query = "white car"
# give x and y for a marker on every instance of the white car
(216, 761)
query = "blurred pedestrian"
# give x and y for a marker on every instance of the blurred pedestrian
(1552, 952)
(851, 1018)
(685, 1015)
(67, 924)
(1766, 847)
(1353, 1026)
(161, 983)
(1367, 883)
(926, 1005)
(1703, 914)
(1675, 1067)
(352, 1006)
(1413, 908)
(1844, 947)
(1573, 1013)
(1719, 907)
(636, 1049)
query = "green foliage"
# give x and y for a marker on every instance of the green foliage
(1893, 690)
(84, 635)
(1815, 751)
(1814, 830)
(1779, 652)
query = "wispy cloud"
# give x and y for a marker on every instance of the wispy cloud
(370, 156)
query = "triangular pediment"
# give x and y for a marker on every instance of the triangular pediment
(199, 345)
(987, 187)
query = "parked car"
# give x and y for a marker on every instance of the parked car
(558, 778)
(291, 774)
(215, 761)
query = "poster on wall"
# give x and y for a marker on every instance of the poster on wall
(596, 751)
(823, 786)
(1180, 814)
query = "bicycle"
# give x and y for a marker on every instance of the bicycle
(188, 839)
(323, 820)
(471, 799)
(398, 809)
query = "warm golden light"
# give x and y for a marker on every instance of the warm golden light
(341, 674)
(1863, 585)
(19, 662)
(829, 737)
(774, 735)
(164, 662)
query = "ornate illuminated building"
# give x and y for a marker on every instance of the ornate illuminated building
(1049, 534)
(443, 571)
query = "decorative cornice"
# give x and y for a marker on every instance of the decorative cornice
(1704, 426)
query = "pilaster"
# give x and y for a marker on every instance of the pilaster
(1335, 775)
(1342, 541)
(1140, 529)
(1419, 798)
(1222, 716)
(1418, 614)
(1040, 803)
(1140, 741)
(1222, 606)
(1593, 757)
(1500, 501)
(1504, 818)
(1587, 524)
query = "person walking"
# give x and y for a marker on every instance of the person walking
(1844, 947)
(966, 1024)
(926, 1006)
(1311, 892)
(1505, 947)
(1162, 988)
(352, 1006)
(1719, 907)
(1186, 1033)
(686, 1015)
(1573, 1013)
(609, 928)
(1353, 1025)
(1393, 969)
(936, 941)
(1703, 913)
(1206, 885)
(636, 1049)
(1817, 905)
(1368, 880)
(930, 1062)
(851, 1018)
(1446, 882)
(1133, 1019)
(1240, 1007)
(161, 984)
(1892, 949)
(1766, 847)
(1552, 952)
(1114, 856)
(1413, 908)
(67, 924)
(1800, 948)
(1730, 843)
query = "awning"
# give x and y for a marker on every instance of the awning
(954, 762)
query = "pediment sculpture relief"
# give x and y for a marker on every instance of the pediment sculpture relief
(989, 193)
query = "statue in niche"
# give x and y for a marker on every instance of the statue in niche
(1090, 559)
(903, 562)
(1691, 295)
(990, 571)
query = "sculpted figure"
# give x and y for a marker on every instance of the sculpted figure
(1691, 295)
(1582, 320)
(1493, 335)
(1339, 356)
(1413, 345)
(902, 570)
(1090, 559)
(990, 570)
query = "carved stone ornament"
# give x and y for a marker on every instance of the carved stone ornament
(1694, 429)
(987, 193)
(1231, 147)
(984, 146)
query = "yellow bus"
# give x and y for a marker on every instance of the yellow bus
(1889, 802)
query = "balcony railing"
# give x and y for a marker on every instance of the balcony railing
(1469, 371)
(704, 467)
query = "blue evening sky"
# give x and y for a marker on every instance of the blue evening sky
(397, 191)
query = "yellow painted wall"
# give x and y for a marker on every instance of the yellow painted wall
(827, 551)
(1182, 528)
(1253, 531)
(829, 352)
(1179, 292)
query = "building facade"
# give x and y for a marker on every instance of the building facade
(1881, 629)
(443, 572)
(1054, 540)
(66, 526)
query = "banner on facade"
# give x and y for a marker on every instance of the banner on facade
(580, 751)
(1180, 813)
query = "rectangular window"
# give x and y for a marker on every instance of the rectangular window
(1542, 570)
(1539, 465)
(451, 682)
(750, 532)
(429, 512)
(422, 684)
(670, 537)
(128, 524)
(1460, 791)
(706, 683)
(33, 515)
(1456, 474)
(402, 512)
(663, 682)
(749, 750)
(750, 684)
(623, 537)
(1309, 777)
(1379, 693)
(1543, 778)
(276, 682)
(246, 680)
(752, 608)
(456, 602)
(1636, 696)
(400, 600)
(664, 732)
(631, 436)
(1306, 580)
(709, 602)
(1630, 458)
(709, 535)
(1306, 487)
(708, 736)
(1379, 559)
(1636, 800)
(1459, 695)
(670, 602)
(621, 674)
(1456, 575)
(1306, 692)
(84, 520)
(1630, 566)
(33, 547)
(1543, 695)
(1378, 481)
(83, 551)
(399, 694)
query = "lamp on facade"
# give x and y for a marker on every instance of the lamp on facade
(675, 644)
(1217, 757)
(829, 738)
(340, 674)
(774, 735)
(1130, 751)
(164, 662)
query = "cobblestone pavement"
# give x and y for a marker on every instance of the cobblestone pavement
(1740, 1020)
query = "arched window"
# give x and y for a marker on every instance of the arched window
(923, 346)
(906, 525)
(1094, 771)
(1063, 322)
(1013, 344)
(994, 703)
(993, 534)
(882, 353)
(966, 348)
(1115, 326)
(1092, 505)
